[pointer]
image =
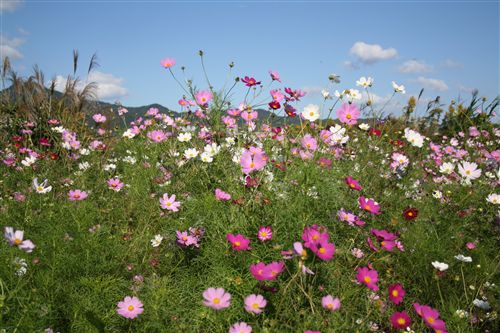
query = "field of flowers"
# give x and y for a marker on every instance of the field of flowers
(220, 221)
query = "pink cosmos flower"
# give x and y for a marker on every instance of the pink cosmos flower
(400, 320)
(275, 76)
(169, 203)
(368, 277)
(221, 195)
(277, 95)
(265, 234)
(167, 62)
(249, 116)
(216, 298)
(348, 114)
(115, 184)
(329, 303)
(99, 118)
(130, 307)
(157, 136)
(241, 327)
(203, 97)
(324, 250)
(470, 245)
(308, 142)
(77, 195)
(353, 183)
(185, 239)
(252, 160)
(239, 242)
(369, 205)
(269, 272)
(15, 238)
(255, 303)
(396, 293)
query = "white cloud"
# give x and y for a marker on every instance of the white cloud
(450, 63)
(371, 53)
(9, 5)
(9, 47)
(23, 31)
(432, 84)
(376, 99)
(351, 65)
(312, 89)
(414, 66)
(108, 86)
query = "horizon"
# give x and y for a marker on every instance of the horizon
(441, 47)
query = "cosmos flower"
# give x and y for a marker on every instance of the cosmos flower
(268, 272)
(368, 277)
(41, 188)
(216, 298)
(329, 303)
(221, 195)
(255, 303)
(400, 320)
(469, 170)
(249, 81)
(348, 114)
(265, 234)
(15, 238)
(240, 327)
(130, 307)
(369, 205)
(77, 195)
(311, 112)
(238, 242)
(203, 97)
(167, 62)
(353, 183)
(410, 213)
(396, 293)
(169, 203)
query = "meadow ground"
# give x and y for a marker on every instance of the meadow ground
(352, 227)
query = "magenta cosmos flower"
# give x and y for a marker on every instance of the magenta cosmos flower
(353, 183)
(324, 249)
(241, 327)
(329, 303)
(130, 307)
(15, 238)
(368, 277)
(157, 136)
(255, 303)
(250, 81)
(115, 184)
(203, 97)
(221, 195)
(169, 203)
(369, 205)
(77, 195)
(250, 161)
(167, 62)
(400, 320)
(239, 242)
(348, 114)
(396, 293)
(263, 272)
(216, 298)
(265, 234)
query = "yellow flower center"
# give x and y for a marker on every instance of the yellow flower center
(430, 320)
(401, 321)
(322, 250)
(169, 204)
(216, 300)
(348, 116)
(367, 207)
(311, 113)
(130, 308)
(237, 243)
(395, 293)
(252, 165)
(39, 189)
(367, 279)
(255, 305)
(17, 241)
(329, 306)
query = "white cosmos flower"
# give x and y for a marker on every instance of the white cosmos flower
(84, 166)
(155, 242)
(493, 198)
(398, 88)
(463, 258)
(212, 149)
(447, 168)
(184, 137)
(414, 138)
(437, 194)
(441, 266)
(354, 94)
(311, 112)
(41, 188)
(28, 161)
(325, 94)
(206, 157)
(338, 136)
(190, 153)
(364, 126)
(128, 134)
(481, 304)
(469, 170)
(364, 82)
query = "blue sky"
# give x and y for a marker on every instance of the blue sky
(446, 47)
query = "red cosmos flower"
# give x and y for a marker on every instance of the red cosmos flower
(250, 81)
(396, 293)
(17, 138)
(44, 142)
(275, 105)
(375, 132)
(410, 213)
(400, 320)
(397, 143)
(290, 111)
